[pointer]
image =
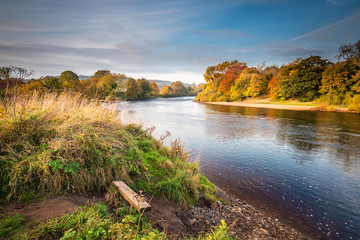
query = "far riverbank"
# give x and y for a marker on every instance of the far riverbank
(271, 105)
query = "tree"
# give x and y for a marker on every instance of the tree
(338, 78)
(51, 83)
(302, 79)
(350, 51)
(107, 85)
(232, 72)
(69, 79)
(133, 90)
(155, 91)
(101, 73)
(13, 75)
(89, 87)
(178, 89)
(213, 72)
(145, 87)
(273, 87)
(165, 90)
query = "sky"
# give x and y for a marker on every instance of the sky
(170, 40)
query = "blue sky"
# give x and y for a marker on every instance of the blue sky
(170, 40)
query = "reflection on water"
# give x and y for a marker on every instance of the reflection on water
(303, 166)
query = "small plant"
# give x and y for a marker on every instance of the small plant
(95, 223)
(220, 232)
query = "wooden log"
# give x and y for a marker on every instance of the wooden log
(132, 197)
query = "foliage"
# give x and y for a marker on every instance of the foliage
(133, 91)
(58, 144)
(155, 91)
(165, 90)
(220, 232)
(337, 81)
(145, 88)
(101, 73)
(96, 223)
(355, 104)
(302, 79)
(69, 79)
(12, 226)
(231, 73)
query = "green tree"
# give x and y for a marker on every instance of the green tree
(52, 83)
(133, 91)
(69, 80)
(145, 88)
(302, 79)
(107, 86)
(101, 73)
(338, 78)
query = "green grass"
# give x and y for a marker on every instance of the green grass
(96, 223)
(11, 227)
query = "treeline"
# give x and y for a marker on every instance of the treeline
(103, 85)
(304, 80)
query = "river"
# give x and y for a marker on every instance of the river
(301, 166)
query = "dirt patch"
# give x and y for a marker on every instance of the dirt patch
(50, 208)
(169, 218)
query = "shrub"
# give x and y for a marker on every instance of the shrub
(355, 104)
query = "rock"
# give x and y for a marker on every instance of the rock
(263, 231)
(192, 221)
(248, 218)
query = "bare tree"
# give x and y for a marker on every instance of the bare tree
(15, 75)
(349, 51)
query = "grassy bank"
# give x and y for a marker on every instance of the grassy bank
(61, 144)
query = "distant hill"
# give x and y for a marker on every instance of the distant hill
(161, 83)
(83, 77)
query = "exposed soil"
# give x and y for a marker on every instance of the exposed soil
(244, 221)
(50, 208)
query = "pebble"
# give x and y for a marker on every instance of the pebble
(263, 231)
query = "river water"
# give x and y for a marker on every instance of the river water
(303, 167)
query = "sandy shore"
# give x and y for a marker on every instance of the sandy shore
(275, 106)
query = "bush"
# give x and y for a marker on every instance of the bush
(355, 104)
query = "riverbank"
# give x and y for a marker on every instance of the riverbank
(295, 106)
(242, 220)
